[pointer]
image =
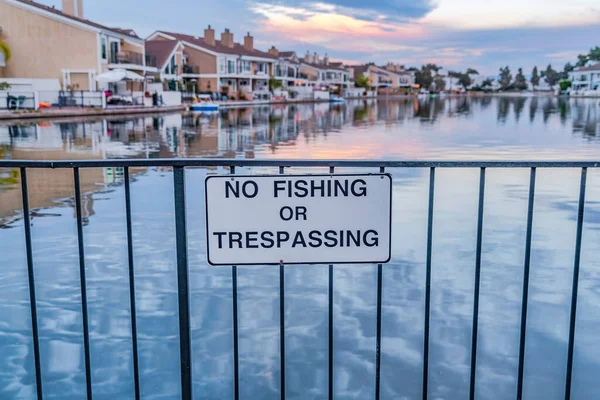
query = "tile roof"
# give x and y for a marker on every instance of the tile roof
(129, 32)
(80, 20)
(595, 67)
(237, 49)
(395, 72)
(359, 69)
(161, 49)
(287, 53)
(330, 66)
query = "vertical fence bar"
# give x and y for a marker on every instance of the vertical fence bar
(575, 288)
(525, 296)
(282, 318)
(330, 302)
(182, 284)
(428, 284)
(134, 340)
(477, 282)
(236, 363)
(82, 279)
(31, 277)
(378, 338)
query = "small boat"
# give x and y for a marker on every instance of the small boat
(337, 99)
(204, 103)
(204, 106)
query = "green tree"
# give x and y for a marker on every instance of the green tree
(487, 83)
(581, 60)
(362, 81)
(465, 80)
(594, 54)
(535, 77)
(564, 84)
(505, 78)
(5, 49)
(440, 83)
(4, 86)
(472, 71)
(551, 76)
(520, 81)
(424, 78)
(274, 84)
(568, 68)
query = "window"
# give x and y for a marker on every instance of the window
(114, 50)
(244, 67)
(222, 65)
(171, 68)
(104, 54)
(230, 67)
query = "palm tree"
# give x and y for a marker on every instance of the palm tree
(5, 49)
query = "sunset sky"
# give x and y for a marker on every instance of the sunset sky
(454, 33)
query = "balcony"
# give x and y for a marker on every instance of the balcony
(191, 69)
(150, 61)
(127, 57)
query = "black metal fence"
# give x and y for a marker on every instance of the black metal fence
(71, 98)
(179, 166)
(17, 100)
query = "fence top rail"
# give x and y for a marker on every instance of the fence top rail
(208, 162)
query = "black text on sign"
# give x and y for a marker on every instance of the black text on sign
(308, 219)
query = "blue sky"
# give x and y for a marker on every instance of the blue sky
(457, 34)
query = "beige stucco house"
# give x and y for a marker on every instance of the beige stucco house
(50, 44)
(222, 65)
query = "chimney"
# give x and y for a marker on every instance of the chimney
(326, 59)
(73, 8)
(227, 39)
(249, 42)
(307, 56)
(315, 58)
(209, 36)
(273, 51)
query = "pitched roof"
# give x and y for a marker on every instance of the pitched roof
(359, 69)
(329, 66)
(218, 47)
(80, 20)
(595, 67)
(161, 49)
(129, 32)
(286, 54)
(403, 72)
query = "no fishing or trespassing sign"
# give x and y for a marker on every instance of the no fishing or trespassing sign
(298, 219)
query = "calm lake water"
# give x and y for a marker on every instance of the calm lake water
(455, 129)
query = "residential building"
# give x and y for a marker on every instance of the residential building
(50, 44)
(585, 78)
(401, 78)
(325, 74)
(287, 69)
(171, 62)
(223, 65)
(379, 78)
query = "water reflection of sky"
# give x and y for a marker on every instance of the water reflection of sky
(486, 128)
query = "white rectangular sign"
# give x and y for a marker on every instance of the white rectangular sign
(298, 219)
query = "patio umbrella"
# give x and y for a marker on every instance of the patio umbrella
(118, 75)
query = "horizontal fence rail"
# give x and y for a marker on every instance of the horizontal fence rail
(185, 355)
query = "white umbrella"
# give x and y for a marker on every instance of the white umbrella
(118, 75)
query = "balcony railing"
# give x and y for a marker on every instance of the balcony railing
(191, 69)
(127, 57)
